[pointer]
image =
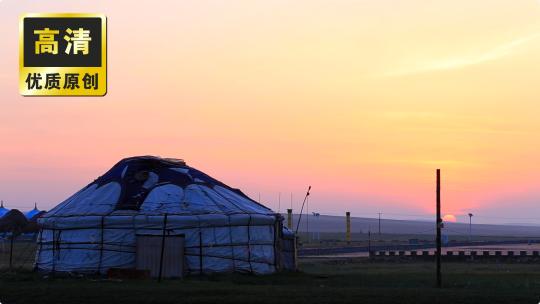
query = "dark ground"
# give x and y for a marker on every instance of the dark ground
(352, 281)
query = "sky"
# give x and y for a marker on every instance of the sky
(362, 100)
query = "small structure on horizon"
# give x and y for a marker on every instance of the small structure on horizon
(33, 214)
(3, 210)
(15, 222)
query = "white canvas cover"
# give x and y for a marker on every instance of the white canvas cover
(96, 228)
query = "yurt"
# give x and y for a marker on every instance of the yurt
(161, 215)
(12, 221)
(34, 214)
(3, 210)
(15, 222)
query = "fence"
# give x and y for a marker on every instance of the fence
(17, 253)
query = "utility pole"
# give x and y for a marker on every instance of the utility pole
(11, 249)
(470, 226)
(369, 243)
(380, 223)
(317, 234)
(348, 227)
(291, 201)
(439, 224)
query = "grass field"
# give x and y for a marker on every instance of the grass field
(352, 281)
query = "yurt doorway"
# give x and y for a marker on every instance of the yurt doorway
(162, 255)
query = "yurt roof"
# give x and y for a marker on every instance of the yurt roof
(3, 210)
(12, 220)
(149, 184)
(31, 213)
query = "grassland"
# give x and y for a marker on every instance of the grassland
(345, 281)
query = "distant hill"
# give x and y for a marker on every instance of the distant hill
(329, 223)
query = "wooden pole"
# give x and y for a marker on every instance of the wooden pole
(380, 224)
(369, 243)
(162, 247)
(348, 234)
(11, 250)
(439, 224)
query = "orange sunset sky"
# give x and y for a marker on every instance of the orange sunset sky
(363, 100)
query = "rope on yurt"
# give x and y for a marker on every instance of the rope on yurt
(231, 243)
(249, 244)
(276, 227)
(58, 243)
(200, 252)
(183, 227)
(101, 244)
(218, 205)
(53, 250)
(129, 248)
(231, 202)
(200, 246)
